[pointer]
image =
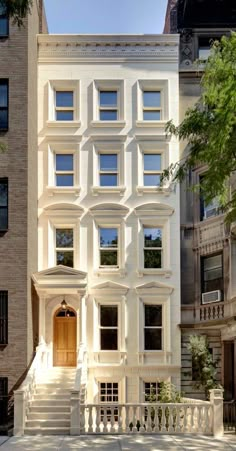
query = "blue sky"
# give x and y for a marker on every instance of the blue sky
(105, 16)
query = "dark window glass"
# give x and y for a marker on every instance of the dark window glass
(3, 404)
(3, 104)
(153, 327)
(65, 258)
(64, 238)
(108, 327)
(64, 241)
(64, 180)
(151, 99)
(108, 247)
(108, 180)
(212, 273)
(4, 22)
(152, 180)
(108, 115)
(152, 248)
(108, 98)
(109, 393)
(64, 115)
(3, 317)
(64, 99)
(108, 170)
(64, 162)
(151, 115)
(208, 210)
(3, 204)
(152, 237)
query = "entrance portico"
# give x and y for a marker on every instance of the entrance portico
(61, 333)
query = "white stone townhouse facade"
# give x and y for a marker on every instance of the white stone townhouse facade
(108, 232)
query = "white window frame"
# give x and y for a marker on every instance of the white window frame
(152, 147)
(55, 148)
(154, 108)
(147, 226)
(158, 86)
(108, 147)
(64, 249)
(108, 85)
(154, 216)
(63, 85)
(121, 380)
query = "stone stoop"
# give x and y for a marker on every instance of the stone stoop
(49, 410)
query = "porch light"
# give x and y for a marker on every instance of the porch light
(64, 304)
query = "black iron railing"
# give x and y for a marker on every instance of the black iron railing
(6, 414)
(229, 412)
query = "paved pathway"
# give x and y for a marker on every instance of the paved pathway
(118, 443)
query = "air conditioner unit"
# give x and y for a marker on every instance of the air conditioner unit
(211, 296)
(211, 212)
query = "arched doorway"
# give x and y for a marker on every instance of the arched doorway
(64, 337)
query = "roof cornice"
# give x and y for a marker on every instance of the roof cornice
(108, 47)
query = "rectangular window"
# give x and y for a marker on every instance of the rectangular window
(109, 247)
(207, 210)
(204, 47)
(212, 273)
(152, 327)
(108, 169)
(3, 402)
(4, 22)
(152, 247)
(64, 169)
(151, 390)
(108, 327)
(151, 105)
(3, 317)
(3, 204)
(108, 105)
(108, 393)
(65, 247)
(152, 169)
(3, 104)
(64, 105)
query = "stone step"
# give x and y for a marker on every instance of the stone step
(52, 402)
(61, 385)
(49, 415)
(47, 431)
(40, 423)
(49, 408)
(52, 391)
(51, 396)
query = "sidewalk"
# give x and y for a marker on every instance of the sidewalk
(118, 443)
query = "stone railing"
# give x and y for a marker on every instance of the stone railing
(208, 312)
(79, 392)
(191, 416)
(24, 394)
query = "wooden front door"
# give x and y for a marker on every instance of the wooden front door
(64, 345)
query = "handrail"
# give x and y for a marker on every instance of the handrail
(81, 370)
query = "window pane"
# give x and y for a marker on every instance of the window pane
(151, 115)
(213, 262)
(151, 180)
(108, 339)
(152, 259)
(152, 162)
(64, 237)
(151, 98)
(64, 180)
(3, 26)
(108, 237)
(64, 162)
(3, 193)
(108, 162)
(108, 258)
(108, 98)
(3, 94)
(3, 119)
(153, 315)
(108, 115)
(108, 180)
(65, 258)
(64, 116)
(108, 315)
(153, 339)
(152, 237)
(64, 98)
(3, 218)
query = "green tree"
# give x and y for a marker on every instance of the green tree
(17, 9)
(210, 128)
(204, 365)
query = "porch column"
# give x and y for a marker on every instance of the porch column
(82, 320)
(42, 300)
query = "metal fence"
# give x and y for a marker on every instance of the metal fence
(6, 414)
(229, 416)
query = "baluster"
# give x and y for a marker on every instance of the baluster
(178, 425)
(208, 416)
(209, 313)
(134, 420)
(192, 419)
(127, 422)
(142, 420)
(90, 420)
(218, 311)
(156, 419)
(185, 419)
(149, 420)
(164, 419)
(98, 419)
(82, 419)
(120, 428)
(171, 419)
(112, 428)
(105, 429)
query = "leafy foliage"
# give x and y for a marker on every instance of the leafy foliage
(205, 366)
(210, 128)
(17, 9)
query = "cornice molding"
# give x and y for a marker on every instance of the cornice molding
(90, 47)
